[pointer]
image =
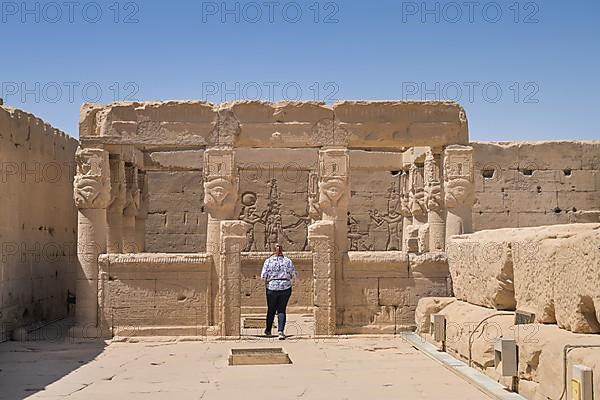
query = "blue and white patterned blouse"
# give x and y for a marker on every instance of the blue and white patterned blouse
(279, 272)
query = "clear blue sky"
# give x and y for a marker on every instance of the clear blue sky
(543, 56)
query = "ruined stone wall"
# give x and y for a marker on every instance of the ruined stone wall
(551, 274)
(38, 221)
(521, 184)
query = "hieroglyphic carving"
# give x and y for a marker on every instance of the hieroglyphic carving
(314, 211)
(92, 181)
(357, 239)
(250, 215)
(271, 217)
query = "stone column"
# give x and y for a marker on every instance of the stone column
(458, 189)
(334, 196)
(142, 214)
(233, 240)
(91, 192)
(321, 238)
(434, 200)
(417, 232)
(405, 209)
(221, 187)
(114, 242)
(333, 203)
(130, 209)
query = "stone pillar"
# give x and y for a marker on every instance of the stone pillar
(418, 231)
(434, 200)
(458, 189)
(405, 209)
(91, 192)
(221, 187)
(130, 209)
(321, 238)
(332, 203)
(233, 240)
(142, 214)
(114, 242)
(334, 197)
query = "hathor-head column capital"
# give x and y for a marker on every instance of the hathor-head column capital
(221, 182)
(334, 188)
(91, 185)
(459, 189)
(458, 176)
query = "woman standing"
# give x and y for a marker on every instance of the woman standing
(279, 273)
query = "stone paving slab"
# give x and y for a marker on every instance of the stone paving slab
(346, 368)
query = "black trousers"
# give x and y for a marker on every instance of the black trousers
(277, 301)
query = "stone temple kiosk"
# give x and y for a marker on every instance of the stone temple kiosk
(181, 201)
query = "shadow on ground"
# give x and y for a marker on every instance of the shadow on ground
(48, 355)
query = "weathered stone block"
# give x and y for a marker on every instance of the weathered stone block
(427, 306)
(481, 267)
(556, 277)
(431, 264)
(360, 292)
(376, 264)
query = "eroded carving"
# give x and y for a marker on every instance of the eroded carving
(221, 183)
(433, 185)
(392, 218)
(334, 191)
(220, 196)
(459, 192)
(92, 182)
(132, 191)
(357, 240)
(416, 194)
(458, 176)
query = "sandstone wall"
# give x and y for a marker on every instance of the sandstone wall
(38, 221)
(380, 290)
(521, 184)
(523, 189)
(150, 294)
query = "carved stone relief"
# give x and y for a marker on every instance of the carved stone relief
(132, 191)
(221, 183)
(92, 181)
(375, 221)
(276, 210)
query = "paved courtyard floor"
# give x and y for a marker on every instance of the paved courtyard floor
(347, 368)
